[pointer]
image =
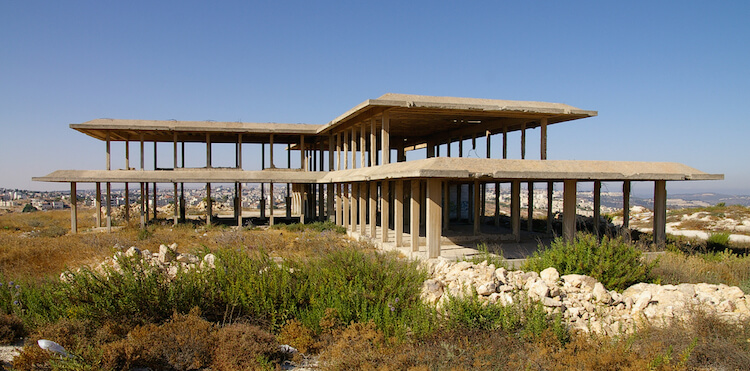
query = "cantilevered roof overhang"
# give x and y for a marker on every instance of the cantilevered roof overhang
(463, 169)
(193, 131)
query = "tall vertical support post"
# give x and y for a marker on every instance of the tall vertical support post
(271, 164)
(362, 147)
(331, 152)
(345, 144)
(362, 192)
(430, 148)
(597, 206)
(434, 216)
(626, 209)
(569, 210)
(346, 212)
(209, 205)
(505, 142)
(660, 212)
(239, 152)
(338, 152)
(271, 220)
(385, 207)
(530, 208)
(497, 204)
(239, 204)
(109, 163)
(386, 138)
(543, 139)
(109, 207)
(127, 186)
(550, 193)
(155, 211)
(398, 213)
(98, 204)
(73, 209)
(446, 205)
(461, 146)
(302, 155)
(487, 135)
(523, 141)
(414, 217)
(208, 150)
(183, 212)
(339, 205)
(354, 146)
(373, 209)
(515, 209)
(176, 203)
(353, 207)
(477, 216)
(143, 207)
(373, 143)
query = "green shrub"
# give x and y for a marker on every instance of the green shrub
(315, 226)
(717, 241)
(485, 255)
(614, 262)
(471, 313)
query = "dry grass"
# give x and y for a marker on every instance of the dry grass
(723, 267)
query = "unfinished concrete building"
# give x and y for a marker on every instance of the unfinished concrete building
(353, 170)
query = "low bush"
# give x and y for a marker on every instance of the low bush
(242, 346)
(315, 226)
(11, 328)
(612, 261)
(718, 267)
(717, 241)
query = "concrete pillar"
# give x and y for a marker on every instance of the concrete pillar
(461, 147)
(386, 138)
(109, 207)
(497, 204)
(127, 203)
(361, 193)
(239, 204)
(330, 202)
(626, 209)
(353, 206)
(174, 149)
(73, 209)
(346, 213)
(208, 150)
(385, 206)
(447, 205)
(434, 216)
(477, 216)
(331, 153)
(109, 164)
(515, 209)
(373, 209)
(98, 204)
(339, 205)
(398, 213)
(155, 195)
(550, 193)
(262, 202)
(523, 141)
(145, 204)
(302, 155)
(373, 143)
(543, 141)
(530, 208)
(505, 142)
(143, 207)
(414, 217)
(597, 205)
(569, 210)
(176, 205)
(430, 148)
(400, 151)
(271, 164)
(239, 152)
(209, 205)
(487, 135)
(362, 147)
(448, 148)
(660, 212)
(272, 206)
(345, 143)
(459, 197)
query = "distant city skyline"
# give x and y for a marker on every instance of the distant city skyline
(669, 82)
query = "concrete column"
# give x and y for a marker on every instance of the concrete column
(145, 203)
(239, 152)
(271, 164)
(339, 205)
(143, 207)
(430, 148)
(109, 207)
(354, 147)
(271, 207)
(208, 150)
(176, 205)
(459, 197)
(174, 145)
(626, 209)
(543, 141)
(550, 193)
(346, 213)
(127, 154)
(345, 142)
(461, 146)
(361, 193)
(569, 210)
(330, 202)
(385, 206)
(354, 196)
(386, 138)
(477, 216)
(447, 205)
(209, 205)
(98, 204)
(530, 208)
(239, 204)
(302, 155)
(597, 205)
(487, 135)
(143, 160)
(373, 208)
(434, 216)
(373, 143)
(414, 217)
(398, 213)
(262, 203)
(660, 212)
(362, 147)
(109, 164)
(515, 209)
(523, 141)
(155, 211)
(73, 209)
(505, 142)
(448, 148)
(400, 151)
(338, 152)
(127, 203)
(497, 204)
(331, 152)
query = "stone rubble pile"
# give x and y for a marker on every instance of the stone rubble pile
(166, 260)
(583, 302)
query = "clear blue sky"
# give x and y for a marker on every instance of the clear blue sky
(671, 80)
